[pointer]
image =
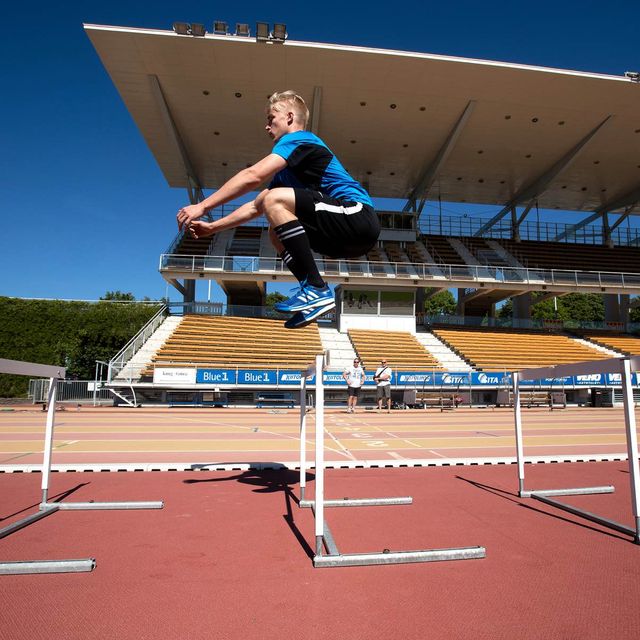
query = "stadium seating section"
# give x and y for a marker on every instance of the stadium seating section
(512, 350)
(401, 350)
(621, 342)
(219, 341)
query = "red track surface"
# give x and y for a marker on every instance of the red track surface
(229, 558)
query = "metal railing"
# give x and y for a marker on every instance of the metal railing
(120, 360)
(408, 270)
(426, 319)
(461, 226)
(68, 390)
(465, 225)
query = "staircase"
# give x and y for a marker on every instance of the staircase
(450, 360)
(338, 344)
(132, 370)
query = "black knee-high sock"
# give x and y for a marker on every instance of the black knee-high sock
(291, 264)
(295, 241)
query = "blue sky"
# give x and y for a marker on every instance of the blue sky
(83, 206)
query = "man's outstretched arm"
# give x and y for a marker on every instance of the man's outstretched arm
(243, 182)
(244, 213)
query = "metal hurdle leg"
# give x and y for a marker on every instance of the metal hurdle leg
(43, 566)
(47, 508)
(323, 538)
(613, 365)
(522, 492)
(629, 365)
(76, 506)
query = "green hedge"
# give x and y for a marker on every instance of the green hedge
(70, 334)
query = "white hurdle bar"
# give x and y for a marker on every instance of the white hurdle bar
(622, 366)
(46, 508)
(323, 538)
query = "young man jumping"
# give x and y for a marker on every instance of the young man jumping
(311, 204)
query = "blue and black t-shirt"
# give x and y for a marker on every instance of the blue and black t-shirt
(312, 165)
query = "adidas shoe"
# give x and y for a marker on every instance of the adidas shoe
(303, 318)
(307, 297)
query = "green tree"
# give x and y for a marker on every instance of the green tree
(577, 307)
(441, 303)
(118, 296)
(273, 298)
(71, 334)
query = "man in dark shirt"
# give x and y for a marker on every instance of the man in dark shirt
(311, 203)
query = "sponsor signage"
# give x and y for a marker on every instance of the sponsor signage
(174, 375)
(257, 376)
(216, 376)
(414, 379)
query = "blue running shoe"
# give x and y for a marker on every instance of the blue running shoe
(307, 297)
(303, 318)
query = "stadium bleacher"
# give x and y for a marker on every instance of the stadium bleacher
(401, 349)
(226, 340)
(621, 342)
(512, 349)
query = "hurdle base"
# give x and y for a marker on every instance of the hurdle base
(578, 491)
(358, 502)
(398, 557)
(25, 522)
(605, 522)
(47, 566)
(87, 506)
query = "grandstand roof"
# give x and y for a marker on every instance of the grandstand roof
(468, 130)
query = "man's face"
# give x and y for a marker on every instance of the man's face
(278, 123)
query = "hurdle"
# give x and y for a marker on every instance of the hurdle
(324, 541)
(46, 508)
(620, 366)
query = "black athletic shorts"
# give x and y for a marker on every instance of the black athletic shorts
(336, 228)
(354, 391)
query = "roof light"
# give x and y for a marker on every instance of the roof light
(279, 32)
(220, 28)
(262, 31)
(198, 29)
(242, 29)
(181, 28)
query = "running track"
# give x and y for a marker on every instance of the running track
(181, 438)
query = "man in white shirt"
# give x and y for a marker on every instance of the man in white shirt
(354, 377)
(382, 377)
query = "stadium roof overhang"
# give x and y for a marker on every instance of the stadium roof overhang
(407, 125)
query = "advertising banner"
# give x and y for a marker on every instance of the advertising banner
(174, 375)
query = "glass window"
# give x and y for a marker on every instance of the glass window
(360, 301)
(396, 303)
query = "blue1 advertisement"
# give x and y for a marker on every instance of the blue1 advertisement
(413, 379)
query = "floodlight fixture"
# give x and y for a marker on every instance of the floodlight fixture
(181, 28)
(220, 28)
(262, 31)
(197, 29)
(634, 76)
(242, 29)
(279, 33)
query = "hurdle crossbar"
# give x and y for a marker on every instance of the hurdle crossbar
(623, 367)
(327, 553)
(46, 508)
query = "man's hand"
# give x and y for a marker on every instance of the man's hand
(200, 229)
(188, 214)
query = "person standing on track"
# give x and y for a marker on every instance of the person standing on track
(382, 378)
(311, 204)
(354, 376)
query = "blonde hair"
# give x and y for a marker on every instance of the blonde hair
(292, 100)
